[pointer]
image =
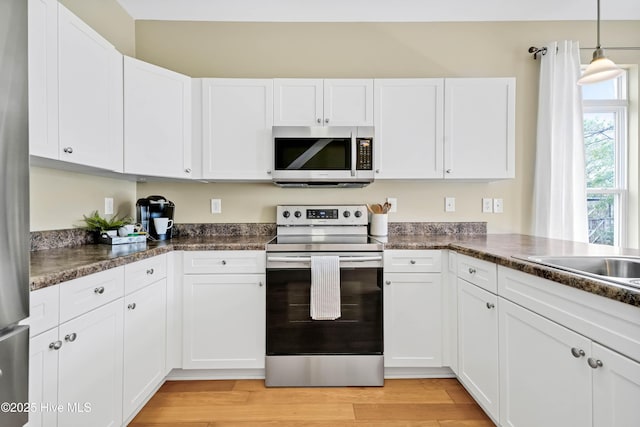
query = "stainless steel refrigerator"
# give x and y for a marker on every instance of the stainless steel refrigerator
(14, 213)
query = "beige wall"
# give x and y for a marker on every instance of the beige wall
(372, 50)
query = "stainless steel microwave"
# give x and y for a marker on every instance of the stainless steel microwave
(323, 157)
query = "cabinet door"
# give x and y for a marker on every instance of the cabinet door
(237, 121)
(616, 389)
(43, 378)
(90, 368)
(144, 344)
(478, 345)
(542, 382)
(408, 128)
(43, 78)
(348, 102)
(224, 321)
(157, 120)
(90, 95)
(298, 102)
(479, 128)
(413, 320)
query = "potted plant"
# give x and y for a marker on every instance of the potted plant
(99, 224)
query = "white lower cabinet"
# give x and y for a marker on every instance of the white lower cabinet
(552, 376)
(224, 321)
(144, 344)
(478, 345)
(412, 320)
(43, 378)
(90, 368)
(545, 379)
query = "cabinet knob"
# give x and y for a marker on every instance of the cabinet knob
(268, 172)
(594, 363)
(577, 353)
(188, 170)
(326, 120)
(99, 290)
(260, 284)
(413, 261)
(472, 270)
(55, 345)
(70, 337)
(388, 282)
(377, 170)
(319, 120)
(490, 305)
(224, 262)
(150, 271)
(448, 171)
(68, 150)
(132, 306)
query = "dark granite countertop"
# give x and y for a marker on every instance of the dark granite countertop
(53, 266)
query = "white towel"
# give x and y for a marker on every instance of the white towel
(325, 287)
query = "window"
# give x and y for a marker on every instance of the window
(605, 138)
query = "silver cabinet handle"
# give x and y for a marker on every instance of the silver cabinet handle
(413, 261)
(188, 170)
(132, 306)
(68, 150)
(490, 305)
(150, 271)
(388, 282)
(326, 120)
(472, 270)
(55, 345)
(448, 171)
(224, 262)
(99, 290)
(577, 352)
(71, 337)
(319, 120)
(594, 363)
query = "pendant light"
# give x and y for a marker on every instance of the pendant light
(601, 68)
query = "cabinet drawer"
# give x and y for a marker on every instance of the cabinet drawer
(139, 274)
(81, 295)
(478, 272)
(208, 262)
(44, 309)
(412, 261)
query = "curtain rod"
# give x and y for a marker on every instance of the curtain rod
(543, 50)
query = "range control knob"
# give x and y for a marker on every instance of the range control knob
(346, 214)
(358, 214)
(297, 214)
(286, 214)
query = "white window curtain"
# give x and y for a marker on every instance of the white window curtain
(560, 199)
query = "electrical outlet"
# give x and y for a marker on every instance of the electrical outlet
(449, 204)
(108, 205)
(394, 204)
(497, 206)
(216, 206)
(487, 205)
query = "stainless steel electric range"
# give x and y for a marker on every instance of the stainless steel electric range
(347, 351)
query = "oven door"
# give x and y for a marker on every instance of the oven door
(290, 329)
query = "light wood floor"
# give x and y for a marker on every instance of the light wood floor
(248, 403)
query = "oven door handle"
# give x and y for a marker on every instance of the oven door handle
(308, 258)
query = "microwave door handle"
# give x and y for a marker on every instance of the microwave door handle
(354, 151)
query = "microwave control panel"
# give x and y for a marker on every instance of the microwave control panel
(364, 154)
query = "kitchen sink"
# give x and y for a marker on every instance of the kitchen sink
(619, 269)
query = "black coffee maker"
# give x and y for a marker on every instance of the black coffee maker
(154, 207)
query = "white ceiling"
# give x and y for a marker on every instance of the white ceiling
(379, 10)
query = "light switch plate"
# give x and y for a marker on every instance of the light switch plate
(487, 205)
(108, 205)
(497, 206)
(216, 206)
(449, 204)
(394, 204)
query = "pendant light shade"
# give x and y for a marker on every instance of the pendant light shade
(601, 68)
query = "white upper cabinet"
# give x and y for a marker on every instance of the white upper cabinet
(479, 128)
(408, 128)
(318, 102)
(90, 95)
(43, 78)
(237, 116)
(157, 121)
